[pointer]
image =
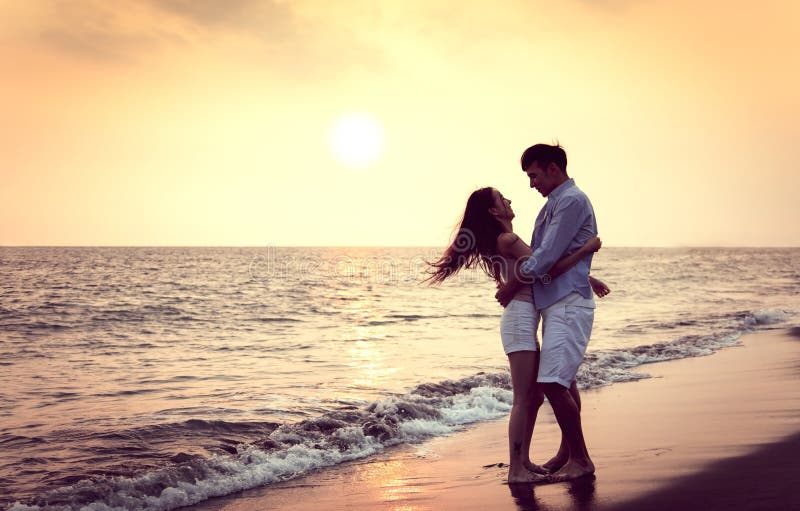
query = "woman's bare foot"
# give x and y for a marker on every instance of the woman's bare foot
(523, 475)
(536, 469)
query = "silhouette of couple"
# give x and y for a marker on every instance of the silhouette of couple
(545, 282)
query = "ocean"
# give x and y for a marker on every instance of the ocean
(155, 378)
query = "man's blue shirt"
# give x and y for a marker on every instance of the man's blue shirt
(565, 223)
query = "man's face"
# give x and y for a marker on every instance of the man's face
(543, 180)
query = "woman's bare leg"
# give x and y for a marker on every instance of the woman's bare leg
(534, 403)
(524, 367)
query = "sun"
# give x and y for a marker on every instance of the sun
(356, 139)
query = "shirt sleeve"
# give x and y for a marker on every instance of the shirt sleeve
(567, 219)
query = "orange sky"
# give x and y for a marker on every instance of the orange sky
(195, 122)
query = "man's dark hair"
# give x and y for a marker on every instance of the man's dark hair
(544, 155)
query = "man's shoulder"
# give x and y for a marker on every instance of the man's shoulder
(573, 195)
(574, 191)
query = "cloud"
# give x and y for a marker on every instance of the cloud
(259, 15)
(129, 31)
(124, 30)
(116, 32)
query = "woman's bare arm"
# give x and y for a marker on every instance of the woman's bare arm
(511, 246)
(567, 262)
(599, 287)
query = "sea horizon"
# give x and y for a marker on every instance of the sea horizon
(442, 246)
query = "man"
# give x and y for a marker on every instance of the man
(566, 304)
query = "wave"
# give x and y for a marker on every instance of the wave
(400, 318)
(290, 450)
(737, 321)
(275, 453)
(278, 320)
(34, 326)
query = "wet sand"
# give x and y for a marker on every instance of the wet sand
(714, 432)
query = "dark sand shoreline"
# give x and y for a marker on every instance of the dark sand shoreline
(765, 479)
(715, 432)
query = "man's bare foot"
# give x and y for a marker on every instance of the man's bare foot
(572, 470)
(523, 475)
(555, 463)
(536, 469)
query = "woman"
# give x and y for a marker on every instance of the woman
(486, 240)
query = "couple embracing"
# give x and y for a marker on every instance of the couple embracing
(545, 282)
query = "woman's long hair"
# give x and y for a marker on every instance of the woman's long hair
(475, 244)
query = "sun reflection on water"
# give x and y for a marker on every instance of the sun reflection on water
(395, 486)
(367, 357)
(370, 362)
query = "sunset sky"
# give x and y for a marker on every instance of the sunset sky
(199, 122)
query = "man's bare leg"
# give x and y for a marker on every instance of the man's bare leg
(521, 421)
(568, 416)
(562, 456)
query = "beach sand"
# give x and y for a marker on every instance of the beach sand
(714, 432)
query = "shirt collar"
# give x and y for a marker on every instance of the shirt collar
(560, 189)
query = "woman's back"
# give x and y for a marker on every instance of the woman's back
(525, 292)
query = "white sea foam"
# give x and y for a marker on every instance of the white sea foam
(771, 316)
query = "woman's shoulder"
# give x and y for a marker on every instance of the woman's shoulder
(506, 240)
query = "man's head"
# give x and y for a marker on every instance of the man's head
(546, 166)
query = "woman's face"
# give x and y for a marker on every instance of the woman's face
(502, 207)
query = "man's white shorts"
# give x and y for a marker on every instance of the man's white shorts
(518, 327)
(566, 328)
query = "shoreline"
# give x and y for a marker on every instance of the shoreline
(690, 437)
